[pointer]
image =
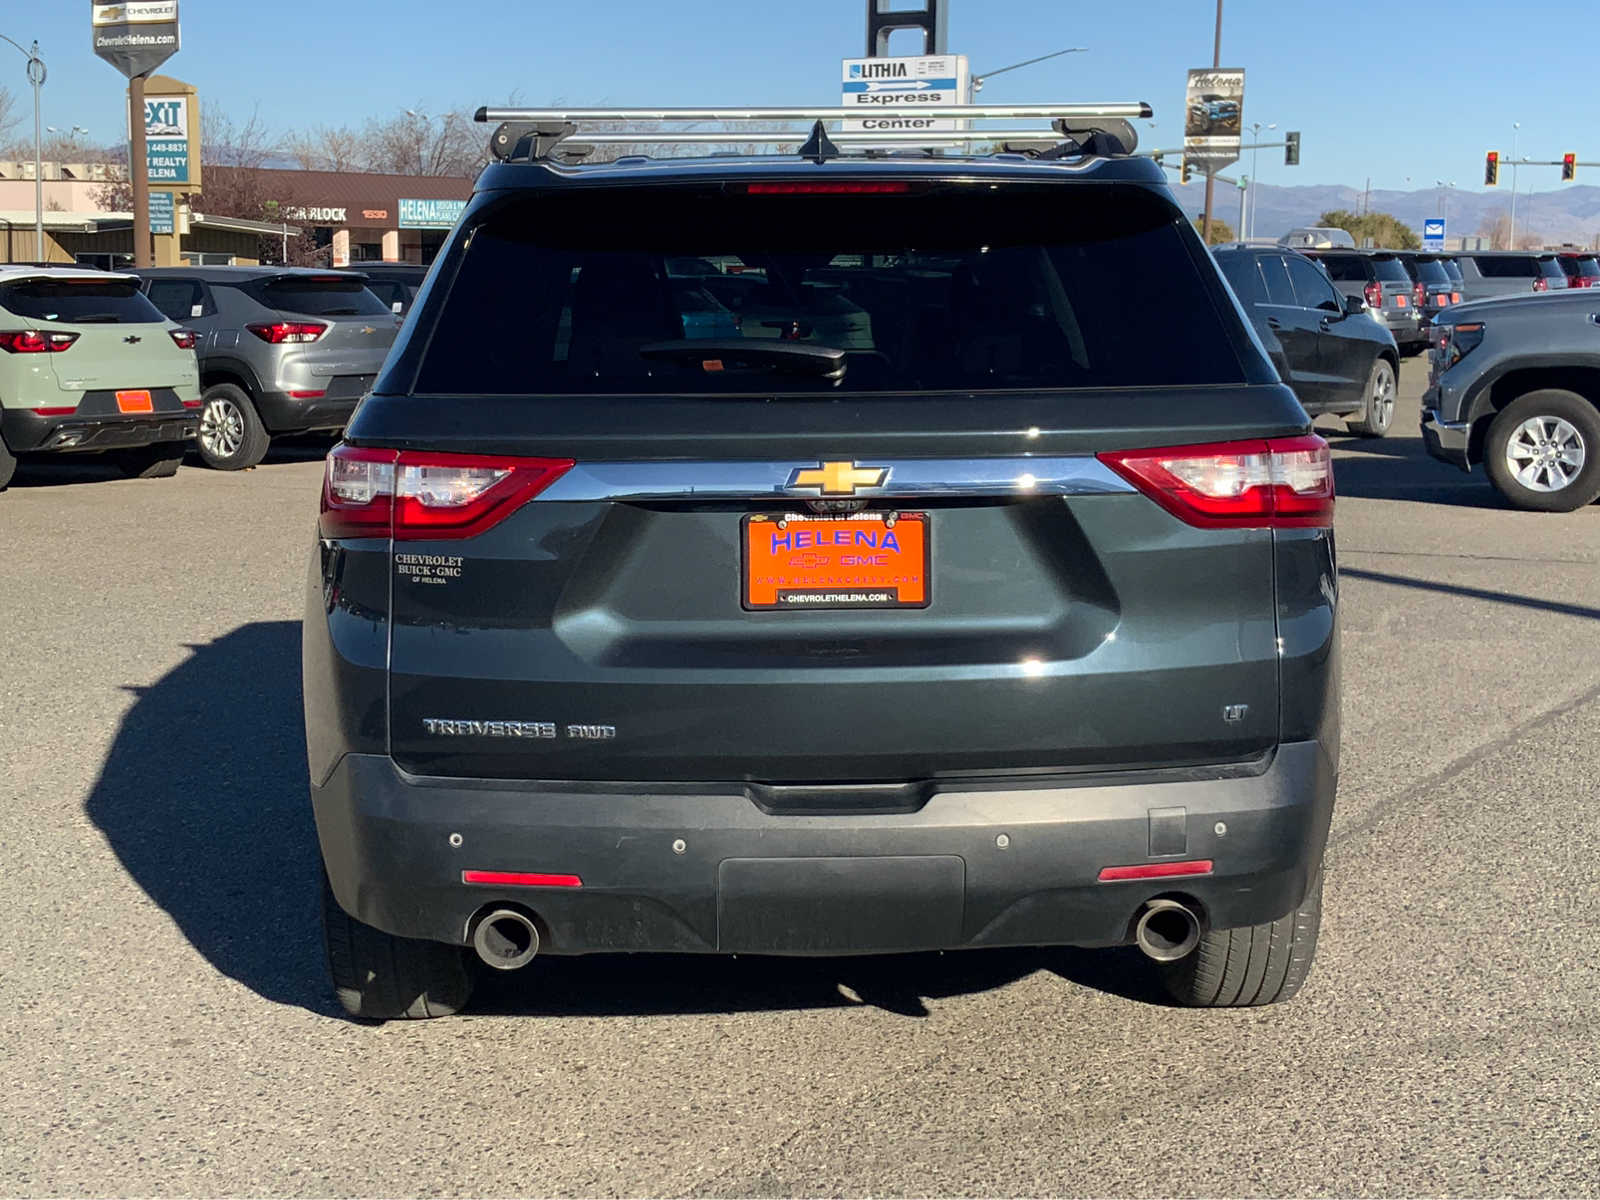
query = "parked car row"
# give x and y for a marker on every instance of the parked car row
(144, 366)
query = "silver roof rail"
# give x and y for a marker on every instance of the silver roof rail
(528, 134)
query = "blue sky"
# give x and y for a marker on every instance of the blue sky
(1359, 87)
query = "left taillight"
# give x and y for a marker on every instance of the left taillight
(1280, 483)
(415, 495)
(35, 341)
(184, 338)
(1419, 294)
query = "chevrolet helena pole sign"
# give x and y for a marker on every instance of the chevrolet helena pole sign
(136, 36)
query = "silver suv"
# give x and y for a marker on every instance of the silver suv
(283, 350)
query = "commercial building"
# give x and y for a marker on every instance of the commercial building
(353, 217)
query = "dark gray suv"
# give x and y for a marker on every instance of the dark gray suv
(282, 350)
(938, 598)
(1515, 387)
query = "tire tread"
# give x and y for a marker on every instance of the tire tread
(1252, 966)
(381, 977)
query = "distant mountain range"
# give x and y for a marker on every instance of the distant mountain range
(1570, 214)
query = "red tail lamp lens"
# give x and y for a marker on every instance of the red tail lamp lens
(885, 187)
(1282, 483)
(415, 494)
(520, 879)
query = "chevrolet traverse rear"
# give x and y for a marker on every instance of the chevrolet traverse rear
(938, 599)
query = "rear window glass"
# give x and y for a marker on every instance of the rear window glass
(1430, 270)
(1551, 268)
(314, 296)
(1581, 268)
(690, 289)
(1511, 266)
(1390, 269)
(1452, 268)
(1346, 268)
(79, 302)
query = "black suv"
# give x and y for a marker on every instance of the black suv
(1325, 345)
(937, 598)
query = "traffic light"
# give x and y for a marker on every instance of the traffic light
(1491, 169)
(1183, 173)
(1291, 149)
(1569, 167)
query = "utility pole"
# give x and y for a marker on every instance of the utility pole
(36, 77)
(1211, 174)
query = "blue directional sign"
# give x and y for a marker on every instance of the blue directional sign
(1433, 233)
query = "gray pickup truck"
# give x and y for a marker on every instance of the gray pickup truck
(1515, 385)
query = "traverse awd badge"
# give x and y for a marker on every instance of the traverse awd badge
(837, 478)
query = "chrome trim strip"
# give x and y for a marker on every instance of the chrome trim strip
(1081, 475)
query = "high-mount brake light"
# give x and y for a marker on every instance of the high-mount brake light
(842, 188)
(184, 339)
(35, 341)
(279, 332)
(415, 495)
(1281, 483)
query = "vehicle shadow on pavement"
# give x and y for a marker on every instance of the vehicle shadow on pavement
(1400, 469)
(203, 797)
(651, 984)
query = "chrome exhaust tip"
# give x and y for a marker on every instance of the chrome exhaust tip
(505, 939)
(1167, 930)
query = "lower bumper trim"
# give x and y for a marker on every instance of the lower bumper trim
(1013, 866)
(1448, 441)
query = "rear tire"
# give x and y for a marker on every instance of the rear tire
(1377, 411)
(381, 977)
(160, 461)
(232, 437)
(8, 465)
(1565, 422)
(1256, 965)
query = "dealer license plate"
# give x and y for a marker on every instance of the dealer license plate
(861, 560)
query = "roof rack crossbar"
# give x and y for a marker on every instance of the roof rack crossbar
(1075, 113)
(796, 137)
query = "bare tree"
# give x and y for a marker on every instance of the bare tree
(411, 143)
(10, 114)
(1497, 228)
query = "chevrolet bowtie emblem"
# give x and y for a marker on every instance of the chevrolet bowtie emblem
(838, 478)
(369, 329)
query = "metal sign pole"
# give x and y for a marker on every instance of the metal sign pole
(36, 75)
(139, 169)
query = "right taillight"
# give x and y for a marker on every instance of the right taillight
(1277, 483)
(416, 495)
(1373, 293)
(1541, 284)
(184, 339)
(279, 332)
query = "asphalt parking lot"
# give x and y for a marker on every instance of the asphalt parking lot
(167, 1027)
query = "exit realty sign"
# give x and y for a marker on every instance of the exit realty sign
(166, 131)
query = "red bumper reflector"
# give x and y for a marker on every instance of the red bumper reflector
(307, 395)
(193, 403)
(1166, 870)
(55, 412)
(520, 879)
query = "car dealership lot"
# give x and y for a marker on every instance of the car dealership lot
(169, 1028)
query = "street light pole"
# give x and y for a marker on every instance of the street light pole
(1255, 156)
(1516, 128)
(979, 80)
(36, 76)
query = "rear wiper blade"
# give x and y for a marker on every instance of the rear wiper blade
(784, 358)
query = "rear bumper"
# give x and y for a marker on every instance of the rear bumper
(673, 869)
(1448, 441)
(283, 413)
(27, 432)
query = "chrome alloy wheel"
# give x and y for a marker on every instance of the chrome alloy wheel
(221, 428)
(1545, 454)
(1380, 404)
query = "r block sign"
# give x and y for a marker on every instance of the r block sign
(136, 36)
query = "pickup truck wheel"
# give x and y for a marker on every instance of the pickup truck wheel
(232, 436)
(160, 461)
(8, 465)
(1543, 451)
(1378, 413)
(1259, 964)
(381, 977)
